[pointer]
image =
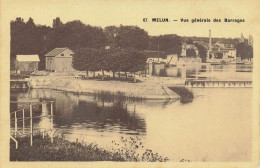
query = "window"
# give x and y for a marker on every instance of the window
(72, 55)
(62, 54)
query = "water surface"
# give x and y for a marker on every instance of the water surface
(216, 126)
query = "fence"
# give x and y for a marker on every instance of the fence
(21, 116)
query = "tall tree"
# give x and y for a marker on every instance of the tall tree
(57, 23)
(132, 37)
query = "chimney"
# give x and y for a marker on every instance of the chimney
(209, 40)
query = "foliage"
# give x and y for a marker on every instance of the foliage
(28, 38)
(132, 37)
(189, 41)
(132, 149)
(127, 60)
(244, 51)
(85, 59)
(171, 44)
(202, 52)
(110, 33)
(186, 95)
(60, 150)
(190, 53)
(64, 150)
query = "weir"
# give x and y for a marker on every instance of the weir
(219, 84)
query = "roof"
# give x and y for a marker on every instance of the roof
(155, 54)
(55, 52)
(27, 58)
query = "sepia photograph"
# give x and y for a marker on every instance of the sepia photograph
(101, 83)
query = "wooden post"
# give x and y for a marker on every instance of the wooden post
(23, 122)
(31, 123)
(15, 124)
(43, 133)
(51, 122)
(16, 142)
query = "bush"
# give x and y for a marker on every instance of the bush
(132, 149)
(186, 95)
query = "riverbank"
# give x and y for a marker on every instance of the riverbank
(147, 89)
(64, 150)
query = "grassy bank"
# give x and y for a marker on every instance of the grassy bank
(64, 150)
(185, 94)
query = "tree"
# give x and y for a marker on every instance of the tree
(25, 38)
(85, 59)
(244, 51)
(132, 37)
(190, 53)
(110, 33)
(202, 52)
(76, 34)
(171, 44)
(132, 61)
(189, 41)
(56, 23)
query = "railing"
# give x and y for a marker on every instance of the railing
(15, 120)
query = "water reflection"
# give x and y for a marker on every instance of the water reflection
(211, 72)
(216, 126)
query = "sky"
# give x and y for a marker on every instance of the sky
(131, 12)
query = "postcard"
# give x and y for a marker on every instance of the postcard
(130, 83)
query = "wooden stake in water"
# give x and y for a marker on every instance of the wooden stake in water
(31, 124)
(23, 122)
(15, 124)
(51, 122)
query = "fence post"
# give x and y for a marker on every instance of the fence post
(23, 122)
(31, 123)
(15, 124)
(51, 122)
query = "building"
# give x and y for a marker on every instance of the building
(155, 56)
(250, 40)
(221, 52)
(26, 64)
(59, 60)
(186, 46)
(171, 59)
(242, 38)
(227, 55)
(155, 61)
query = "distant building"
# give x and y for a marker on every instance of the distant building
(186, 46)
(155, 56)
(171, 59)
(226, 54)
(59, 60)
(27, 63)
(155, 61)
(242, 39)
(250, 40)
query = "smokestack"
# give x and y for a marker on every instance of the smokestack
(209, 40)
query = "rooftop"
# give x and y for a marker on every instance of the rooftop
(27, 58)
(55, 52)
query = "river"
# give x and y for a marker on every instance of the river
(216, 126)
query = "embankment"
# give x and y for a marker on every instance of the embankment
(143, 90)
